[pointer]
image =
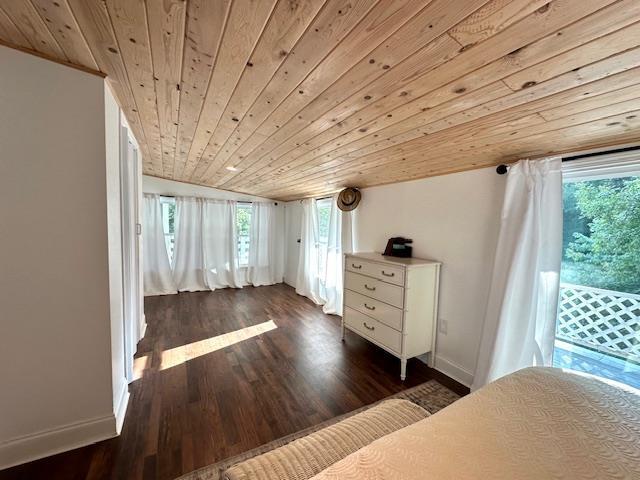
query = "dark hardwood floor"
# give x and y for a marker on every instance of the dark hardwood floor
(199, 400)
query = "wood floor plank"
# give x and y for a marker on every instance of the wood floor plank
(217, 404)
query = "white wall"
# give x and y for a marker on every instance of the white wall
(451, 218)
(161, 186)
(454, 219)
(55, 343)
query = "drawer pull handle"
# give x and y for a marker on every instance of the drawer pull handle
(373, 289)
(392, 274)
(368, 327)
(356, 266)
(368, 307)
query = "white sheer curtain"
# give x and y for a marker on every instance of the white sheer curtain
(331, 283)
(158, 278)
(308, 277)
(188, 261)
(519, 326)
(205, 255)
(206, 248)
(219, 245)
(266, 242)
(320, 265)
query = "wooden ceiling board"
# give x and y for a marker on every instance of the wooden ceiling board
(329, 29)
(64, 29)
(94, 23)
(450, 114)
(27, 20)
(205, 25)
(410, 95)
(130, 26)
(245, 24)
(442, 136)
(287, 24)
(623, 38)
(296, 98)
(422, 42)
(166, 25)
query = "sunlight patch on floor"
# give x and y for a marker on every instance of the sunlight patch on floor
(184, 353)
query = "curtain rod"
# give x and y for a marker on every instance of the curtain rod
(208, 198)
(318, 198)
(502, 169)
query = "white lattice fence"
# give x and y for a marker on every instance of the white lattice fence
(604, 320)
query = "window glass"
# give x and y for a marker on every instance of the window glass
(323, 209)
(598, 325)
(168, 223)
(243, 225)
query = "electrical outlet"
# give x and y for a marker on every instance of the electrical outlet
(442, 326)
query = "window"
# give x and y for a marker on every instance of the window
(323, 209)
(169, 223)
(243, 225)
(598, 324)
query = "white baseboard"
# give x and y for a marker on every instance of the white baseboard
(56, 440)
(454, 371)
(121, 407)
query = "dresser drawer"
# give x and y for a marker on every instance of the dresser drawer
(373, 329)
(385, 313)
(373, 288)
(386, 273)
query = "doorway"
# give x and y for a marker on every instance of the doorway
(134, 324)
(598, 322)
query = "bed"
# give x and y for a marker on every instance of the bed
(538, 423)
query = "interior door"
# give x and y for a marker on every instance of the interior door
(133, 323)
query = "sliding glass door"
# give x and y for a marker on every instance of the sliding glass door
(598, 325)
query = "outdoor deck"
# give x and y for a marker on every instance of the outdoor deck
(598, 332)
(584, 360)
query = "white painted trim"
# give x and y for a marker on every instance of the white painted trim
(613, 165)
(453, 370)
(56, 440)
(121, 407)
(449, 368)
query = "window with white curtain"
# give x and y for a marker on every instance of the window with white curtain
(323, 209)
(243, 226)
(169, 223)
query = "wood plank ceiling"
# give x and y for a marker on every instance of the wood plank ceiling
(294, 98)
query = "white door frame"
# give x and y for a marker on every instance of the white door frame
(132, 298)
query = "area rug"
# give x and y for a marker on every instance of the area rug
(431, 395)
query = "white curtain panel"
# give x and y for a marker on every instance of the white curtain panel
(308, 277)
(219, 245)
(331, 284)
(266, 258)
(320, 275)
(188, 260)
(158, 278)
(519, 325)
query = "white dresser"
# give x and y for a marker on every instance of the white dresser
(392, 302)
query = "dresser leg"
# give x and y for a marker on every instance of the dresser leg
(343, 331)
(403, 369)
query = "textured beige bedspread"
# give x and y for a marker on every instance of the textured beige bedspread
(539, 423)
